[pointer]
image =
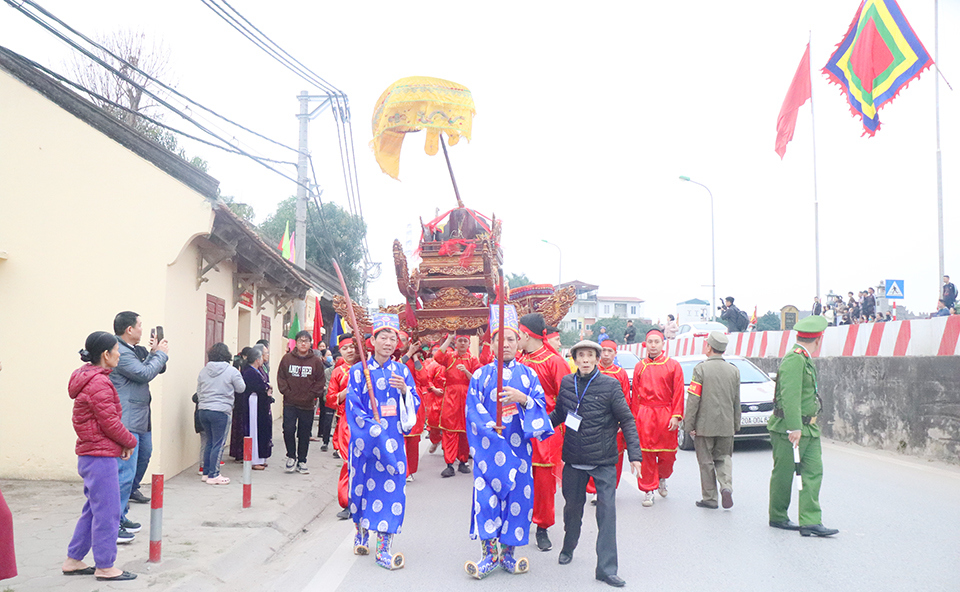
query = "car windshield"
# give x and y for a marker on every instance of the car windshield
(627, 360)
(749, 374)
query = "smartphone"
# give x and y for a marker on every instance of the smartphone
(153, 333)
(159, 334)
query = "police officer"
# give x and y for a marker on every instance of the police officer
(712, 416)
(794, 423)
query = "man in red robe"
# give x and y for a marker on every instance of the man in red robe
(550, 369)
(423, 376)
(433, 399)
(658, 400)
(460, 366)
(608, 366)
(336, 399)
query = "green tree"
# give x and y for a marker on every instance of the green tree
(770, 321)
(617, 326)
(244, 211)
(515, 280)
(569, 338)
(336, 234)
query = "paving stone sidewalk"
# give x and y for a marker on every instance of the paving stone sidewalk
(209, 541)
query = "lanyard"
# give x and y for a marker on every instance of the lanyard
(576, 389)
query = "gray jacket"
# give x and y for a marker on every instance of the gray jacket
(132, 376)
(216, 386)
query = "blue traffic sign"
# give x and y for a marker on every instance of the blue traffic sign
(894, 289)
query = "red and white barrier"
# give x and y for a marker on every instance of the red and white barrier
(920, 337)
(156, 517)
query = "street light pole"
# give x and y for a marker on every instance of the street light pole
(713, 244)
(559, 262)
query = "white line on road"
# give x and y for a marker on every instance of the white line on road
(886, 456)
(335, 569)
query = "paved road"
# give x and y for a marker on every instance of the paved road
(898, 517)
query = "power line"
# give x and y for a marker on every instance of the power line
(123, 61)
(128, 80)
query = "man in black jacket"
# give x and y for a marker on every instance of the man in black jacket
(593, 408)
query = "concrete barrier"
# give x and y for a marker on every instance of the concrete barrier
(905, 404)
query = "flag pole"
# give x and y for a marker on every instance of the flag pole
(816, 202)
(936, 87)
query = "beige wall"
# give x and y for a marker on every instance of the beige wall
(91, 229)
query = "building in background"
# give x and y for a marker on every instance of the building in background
(590, 307)
(693, 311)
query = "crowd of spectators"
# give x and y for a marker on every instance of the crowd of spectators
(856, 309)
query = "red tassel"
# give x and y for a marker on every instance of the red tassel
(467, 253)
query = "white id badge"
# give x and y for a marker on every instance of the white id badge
(573, 421)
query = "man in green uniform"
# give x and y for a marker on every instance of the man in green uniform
(794, 423)
(712, 416)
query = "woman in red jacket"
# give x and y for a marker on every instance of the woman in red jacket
(101, 439)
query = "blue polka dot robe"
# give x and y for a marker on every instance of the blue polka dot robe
(502, 470)
(378, 460)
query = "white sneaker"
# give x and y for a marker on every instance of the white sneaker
(662, 490)
(291, 465)
(648, 499)
(409, 478)
(302, 469)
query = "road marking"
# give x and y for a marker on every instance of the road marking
(336, 568)
(883, 455)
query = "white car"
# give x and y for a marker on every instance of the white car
(701, 329)
(756, 398)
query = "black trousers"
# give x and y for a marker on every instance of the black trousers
(296, 431)
(574, 497)
(325, 424)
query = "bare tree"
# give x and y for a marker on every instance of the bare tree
(135, 49)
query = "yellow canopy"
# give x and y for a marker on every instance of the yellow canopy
(416, 103)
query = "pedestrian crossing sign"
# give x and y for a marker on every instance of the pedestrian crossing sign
(894, 289)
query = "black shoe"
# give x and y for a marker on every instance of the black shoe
(817, 530)
(139, 498)
(323, 448)
(785, 525)
(344, 514)
(130, 526)
(565, 558)
(121, 578)
(726, 496)
(124, 537)
(448, 472)
(336, 454)
(709, 505)
(463, 468)
(543, 541)
(614, 580)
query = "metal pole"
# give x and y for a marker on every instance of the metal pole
(559, 261)
(247, 469)
(453, 179)
(300, 227)
(816, 201)
(713, 245)
(936, 87)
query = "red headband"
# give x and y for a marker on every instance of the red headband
(609, 343)
(657, 331)
(554, 334)
(529, 332)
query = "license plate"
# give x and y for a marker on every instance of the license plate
(754, 419)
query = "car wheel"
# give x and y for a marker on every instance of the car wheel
(684, 441)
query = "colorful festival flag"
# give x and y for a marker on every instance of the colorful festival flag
(877, 58)
(317, 325)
(753, 319)
(285, 243)
(797, 95)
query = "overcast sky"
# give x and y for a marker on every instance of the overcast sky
(586, 116)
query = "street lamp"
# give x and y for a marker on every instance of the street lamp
(559, 262)
(713, 243)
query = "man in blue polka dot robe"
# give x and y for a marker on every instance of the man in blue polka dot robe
(502, 469)
(378, 462)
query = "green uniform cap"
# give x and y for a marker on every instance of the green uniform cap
(813, 326)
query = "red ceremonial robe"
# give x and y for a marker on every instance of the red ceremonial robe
(657, 397)
(421, 379)
(550, 369)
(453, 417)
(340, 381)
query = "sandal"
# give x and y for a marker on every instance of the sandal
(218, 480)
(259, 467)
(120, 578)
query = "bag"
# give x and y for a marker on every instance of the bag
(197, 426)
(743, 321)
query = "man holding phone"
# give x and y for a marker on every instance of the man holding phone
(132, 376)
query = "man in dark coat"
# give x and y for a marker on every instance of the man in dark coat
(593, 408)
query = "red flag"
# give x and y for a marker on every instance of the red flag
(317, 325)
(797, 95)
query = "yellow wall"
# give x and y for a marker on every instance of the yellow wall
(92, 229)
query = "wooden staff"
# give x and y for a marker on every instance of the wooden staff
(501, 303)
(358, 341)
